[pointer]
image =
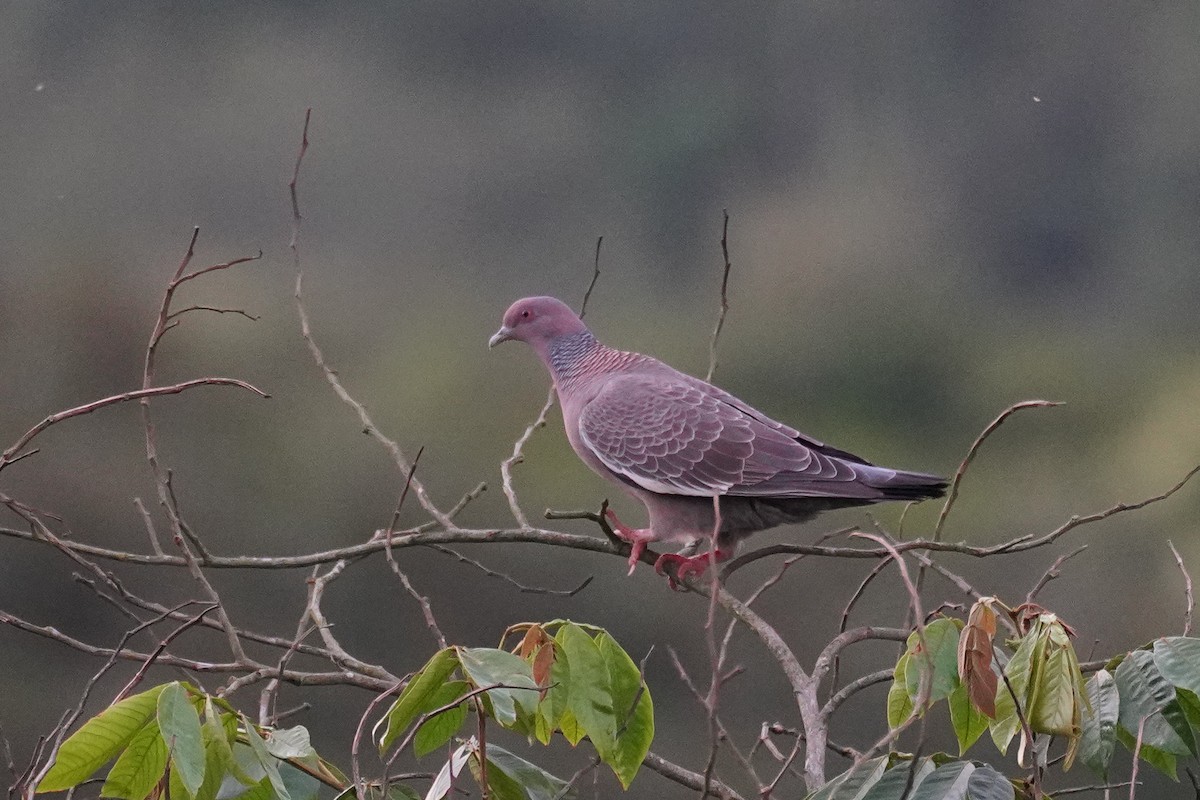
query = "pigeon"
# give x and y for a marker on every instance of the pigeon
(704, 463)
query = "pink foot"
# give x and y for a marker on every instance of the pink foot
(685, 567)
(636, 537)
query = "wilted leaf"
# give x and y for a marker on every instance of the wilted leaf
(535, 637)
(1054, 700)
(543, 661)
(444, 780)
(975, 658)
(101, 738)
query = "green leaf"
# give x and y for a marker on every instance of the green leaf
(968, 722)
(1161, 760)
(1100, 723)
(300, 785)
(1054, 707)
(289, 743)
(531, 781)
(986, 783)
(633, 708)
(139, 768)
(100, 738)
(265, 760)
(414, 699)
(180, 726)
(486, 666)
(947, 782)
(553, 706)
(941, 639)
(892, 785)
(1178, 659)
(438, 730)
(1145, 693)
(854, 782)
(1007, 721)
(571, 729)
(589, 697)
(899, 704)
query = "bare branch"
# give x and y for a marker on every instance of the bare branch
(587, 294)
(1187, 590)
(853, 688)
(296, 218)
(511, 581)
(369, 427)
(10, 455)
(1053, 572)
(316, 591)
(724, 308)
(959, 473)
(685, 777)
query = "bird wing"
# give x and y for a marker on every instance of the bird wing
(673, 434)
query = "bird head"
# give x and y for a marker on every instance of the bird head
(537, 321)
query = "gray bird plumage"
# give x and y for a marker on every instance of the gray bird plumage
(675, 442)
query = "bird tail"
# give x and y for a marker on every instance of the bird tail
(902, 485)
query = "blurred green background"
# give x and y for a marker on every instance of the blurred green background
(936, 210)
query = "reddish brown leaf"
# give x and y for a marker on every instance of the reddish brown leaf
(535, 637)
(543, 662)
(975, 658)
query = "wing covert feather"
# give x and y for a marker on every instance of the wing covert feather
(682, 436)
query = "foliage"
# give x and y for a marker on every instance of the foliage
(563, 677)
(1147, 699)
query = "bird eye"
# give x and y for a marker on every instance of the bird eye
(524, 315)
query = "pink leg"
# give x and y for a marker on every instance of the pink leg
(637, 537)
(687, 567)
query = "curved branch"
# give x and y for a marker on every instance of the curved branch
(11, 454)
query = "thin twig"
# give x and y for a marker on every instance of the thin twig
(1053, 572)
(956, 482)
(724, 307)
(137, 394)
(510, 580)
(1187, 590)
(1137, 754)
(685, 777)
(368, 426)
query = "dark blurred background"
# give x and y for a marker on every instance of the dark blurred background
(936, 210)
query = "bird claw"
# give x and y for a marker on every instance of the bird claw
(636, 538)
(684, 567)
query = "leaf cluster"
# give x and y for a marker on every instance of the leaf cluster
(193, 745)
(562, 677)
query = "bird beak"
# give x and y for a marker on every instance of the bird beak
(502, 335)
